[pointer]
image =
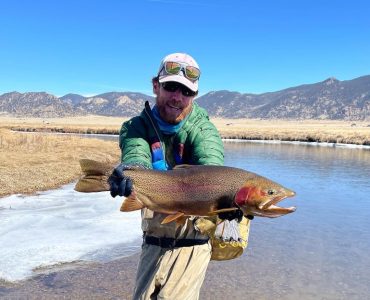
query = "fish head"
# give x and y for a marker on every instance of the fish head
(259, 196)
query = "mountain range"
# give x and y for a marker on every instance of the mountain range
(330, 99)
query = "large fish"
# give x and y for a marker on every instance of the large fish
(192, 190)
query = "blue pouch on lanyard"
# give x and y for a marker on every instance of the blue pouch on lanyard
(160, 165)
(158, 161)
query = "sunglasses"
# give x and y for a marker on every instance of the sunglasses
(175, 68)
(172, 86)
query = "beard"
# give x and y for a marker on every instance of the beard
(173, 114)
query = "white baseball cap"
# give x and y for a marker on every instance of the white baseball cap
(185, 60)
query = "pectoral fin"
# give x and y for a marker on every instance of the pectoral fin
(131, 203)
(170, 218)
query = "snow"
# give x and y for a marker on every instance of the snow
(62, 226)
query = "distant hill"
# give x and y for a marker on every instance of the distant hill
(36, 105)
(329, 99)
(73, 99)
(115, 104)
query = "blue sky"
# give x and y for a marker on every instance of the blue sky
(91, 47)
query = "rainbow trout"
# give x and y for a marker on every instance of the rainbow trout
(191, 190)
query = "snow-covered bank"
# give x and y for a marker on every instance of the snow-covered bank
(63, 226)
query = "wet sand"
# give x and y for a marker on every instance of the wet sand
(252, 276)
(115, 280)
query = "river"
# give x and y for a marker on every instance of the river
(321, 249)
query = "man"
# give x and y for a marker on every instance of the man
(175, 131)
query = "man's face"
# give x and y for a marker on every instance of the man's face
(173, 106)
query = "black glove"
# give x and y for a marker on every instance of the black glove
(119, 183)
(231, 215)
(235, 214)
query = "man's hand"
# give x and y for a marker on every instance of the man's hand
(120, 184)
(231, 215)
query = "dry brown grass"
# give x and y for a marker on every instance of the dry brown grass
(36, 162)
(307, 131)
(85, 124)
(288, 130)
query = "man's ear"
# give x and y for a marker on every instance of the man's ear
(156, 87)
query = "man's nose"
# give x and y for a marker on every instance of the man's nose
(177, 95)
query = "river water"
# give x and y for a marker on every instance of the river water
(321, 249)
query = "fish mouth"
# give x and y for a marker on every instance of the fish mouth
(273, 208)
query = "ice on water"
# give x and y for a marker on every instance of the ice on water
(62, 226)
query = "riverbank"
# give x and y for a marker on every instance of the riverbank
(116, 280)
(241, 278)
(344, 132)
(32, 163)
(328, 131)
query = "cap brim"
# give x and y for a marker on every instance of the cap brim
(180, 79)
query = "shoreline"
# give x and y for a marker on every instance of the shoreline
(110, 280)
(313, 144)
(116, 280)
(307, 142)
(325, 131)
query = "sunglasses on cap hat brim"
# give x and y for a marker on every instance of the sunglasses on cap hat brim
(174, 68)
(172, 86)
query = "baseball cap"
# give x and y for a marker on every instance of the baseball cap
(185, 60)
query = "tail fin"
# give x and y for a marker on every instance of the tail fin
(93, 167)
(95, 176)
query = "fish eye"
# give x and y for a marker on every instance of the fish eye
(271, 192)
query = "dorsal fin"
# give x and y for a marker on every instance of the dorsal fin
(136, 166)
(184, 166)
